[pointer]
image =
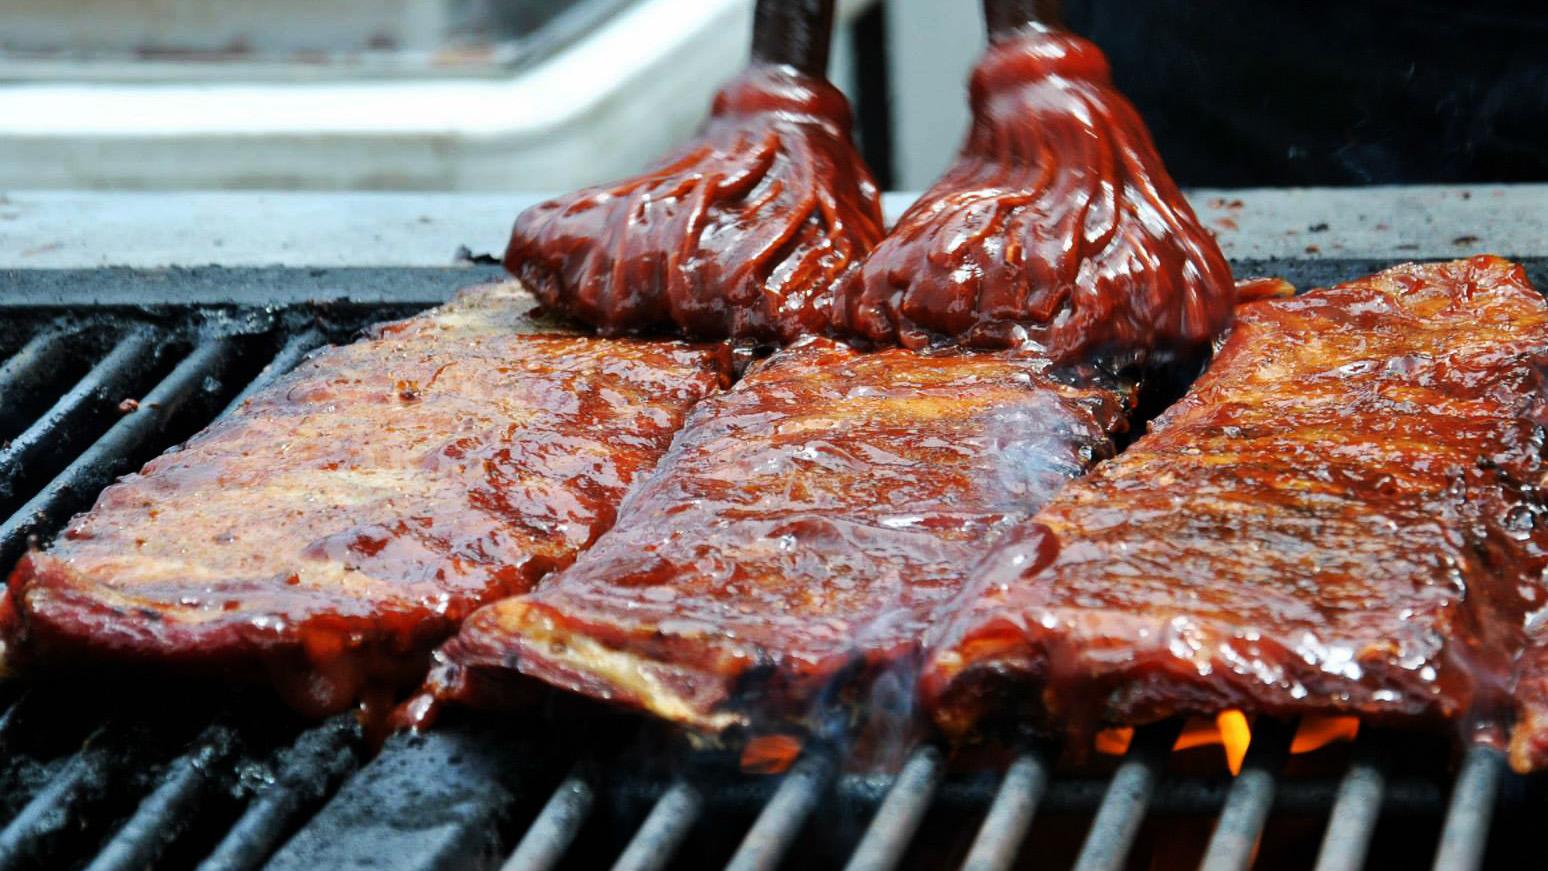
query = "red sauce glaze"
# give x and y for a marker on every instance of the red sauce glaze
(1058, 224)
(746, 232)
(332, 529)
(792, 546)
(1340, 517)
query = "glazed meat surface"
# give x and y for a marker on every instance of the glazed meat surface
(802, 529)
(341, 521)
(1337, 518)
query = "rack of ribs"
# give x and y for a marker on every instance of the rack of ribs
(1340, 517)
(797, 537)
(339, 523)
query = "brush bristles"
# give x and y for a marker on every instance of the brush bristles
(1058, 225)
(747, 232)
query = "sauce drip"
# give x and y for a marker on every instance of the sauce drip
(1058, 224)
(747, 232)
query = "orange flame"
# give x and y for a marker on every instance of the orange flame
(1115, 741)
(770, 754)
(1230, 730)
(1235, 735)
(1316, 733)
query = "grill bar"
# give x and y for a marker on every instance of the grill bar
(1355, 812)
(428, 801)
(1128, 797)
(112, 454)
(165, 812)
(11, 719)
(32, 368)
(1408, 796)
(111, 379)
(1252, 796)
(1010, 816)
(888, 836)
(544, 844)
(464, 815)
(1068, 794)
(783, 817)
(48, 818)
(664, 830)
(308, 771)
(294, 351)
(1466, 832)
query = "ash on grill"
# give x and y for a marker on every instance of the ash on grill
(120, 773)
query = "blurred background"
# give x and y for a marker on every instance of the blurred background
(545, 95)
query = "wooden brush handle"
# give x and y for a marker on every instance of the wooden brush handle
(793, 32)
(1007, 17)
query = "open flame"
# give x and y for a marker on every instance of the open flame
(770, 754)
(1232, 732)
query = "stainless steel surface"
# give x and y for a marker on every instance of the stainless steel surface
(70, 229)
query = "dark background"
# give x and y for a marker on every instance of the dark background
(1274, 92)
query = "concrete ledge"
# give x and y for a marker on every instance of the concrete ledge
(72, 230)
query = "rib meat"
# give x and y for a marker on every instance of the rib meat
(342, 521)
(802, 529)
(1338, 518)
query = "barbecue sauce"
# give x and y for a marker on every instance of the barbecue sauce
(1057, 225)
(328, 532)
(1341, 517)
(744, 233)
(781, 564)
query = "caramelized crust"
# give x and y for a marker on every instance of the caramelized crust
(344, 519)
(802, 529)
(1340, 517)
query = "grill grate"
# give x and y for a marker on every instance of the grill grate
(118, 775)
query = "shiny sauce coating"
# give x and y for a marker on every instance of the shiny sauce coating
(746, 232)
(344, 519)
(1340, 517)
(1058, 225)
(798, 536)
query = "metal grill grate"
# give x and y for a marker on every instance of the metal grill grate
(117, 775)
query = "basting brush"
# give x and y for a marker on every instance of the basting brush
(746, 232)
(1056, 226)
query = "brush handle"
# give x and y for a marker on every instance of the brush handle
(793, 32)
(1006, 18)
